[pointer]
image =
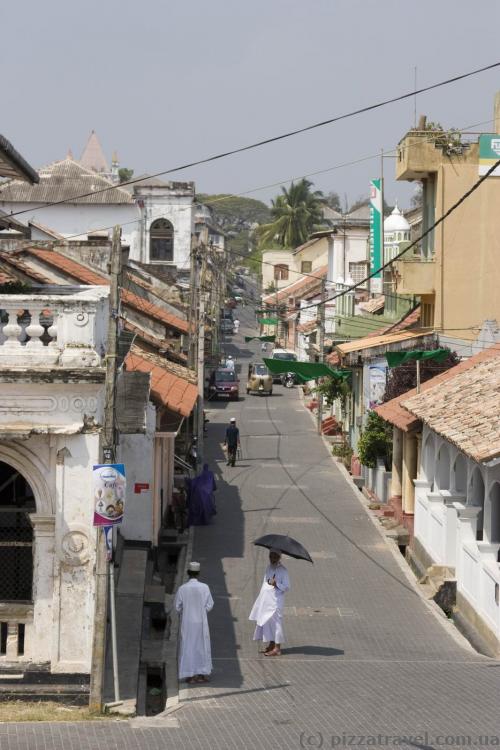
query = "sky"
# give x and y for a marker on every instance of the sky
(166, 82)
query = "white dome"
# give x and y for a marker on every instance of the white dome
(396, 222)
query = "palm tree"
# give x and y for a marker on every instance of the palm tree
(295, 214)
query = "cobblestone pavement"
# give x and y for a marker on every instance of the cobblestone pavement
(365, 655)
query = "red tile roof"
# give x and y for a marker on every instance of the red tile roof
(85, 275)
(172, 385)
(393, 411)
(298, 288)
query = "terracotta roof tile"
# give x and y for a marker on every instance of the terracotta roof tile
(297, 288)
(394, 412)
(12, 259)
(172, 385)
(84, 275)
(465, 409)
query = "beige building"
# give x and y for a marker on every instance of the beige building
(455, 270)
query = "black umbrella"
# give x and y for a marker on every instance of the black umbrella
(285, 544)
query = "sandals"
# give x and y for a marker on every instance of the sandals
(273, 652)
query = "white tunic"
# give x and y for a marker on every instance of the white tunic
(267, 611)
(193, 600)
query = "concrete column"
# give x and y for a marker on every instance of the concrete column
(43, 585)
(409, 471)
(397, 462)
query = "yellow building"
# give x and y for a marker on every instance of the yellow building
(456, 270)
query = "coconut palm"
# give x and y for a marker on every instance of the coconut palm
(295, 213)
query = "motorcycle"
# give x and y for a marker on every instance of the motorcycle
(288, 379)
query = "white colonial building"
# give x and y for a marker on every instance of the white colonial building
(51, 405)
(457, 493)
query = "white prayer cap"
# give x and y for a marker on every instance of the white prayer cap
(233, 419)
(194, 567)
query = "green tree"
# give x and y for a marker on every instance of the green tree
(295, 214)
(375, 441)
(125, 174)
(332, 200)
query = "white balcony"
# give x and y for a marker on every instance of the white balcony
(63, 327)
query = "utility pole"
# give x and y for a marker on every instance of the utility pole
(201, 372)
(108, 450)
(321, 337)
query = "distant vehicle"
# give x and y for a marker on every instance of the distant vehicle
(223, 383)
(285, 355)
(227, 313)
(226, 326)
(259, 379)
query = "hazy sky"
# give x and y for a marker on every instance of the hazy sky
(165, 82)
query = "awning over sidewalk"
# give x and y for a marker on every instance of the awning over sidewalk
(304, 370)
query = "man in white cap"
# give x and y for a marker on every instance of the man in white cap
(267, 612)
(193, 600)
(232, 441)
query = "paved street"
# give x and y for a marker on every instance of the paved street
(364, 654)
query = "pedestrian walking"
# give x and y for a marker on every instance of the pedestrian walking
(232, 441)
(193, 600)
(267, 612)
(236, 325)
(201, 501)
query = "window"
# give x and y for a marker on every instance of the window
(281, 272)
(161, 241)
(16, 536)
(306, 266)
(358, 271)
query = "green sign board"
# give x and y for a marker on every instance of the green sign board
(376, 233)
(489, 153)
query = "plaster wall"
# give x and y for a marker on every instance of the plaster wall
(137, 453)
(179, 210)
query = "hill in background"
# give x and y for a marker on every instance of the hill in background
(237, 216)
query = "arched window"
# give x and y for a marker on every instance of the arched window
(161, 241)
(476, 497)
(16, 536)
(281, 272)
(443, 469)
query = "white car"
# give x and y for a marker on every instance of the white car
(282, 354)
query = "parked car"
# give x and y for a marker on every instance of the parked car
(282, 354)
(226, 326)
(223, 383)
(259, 379)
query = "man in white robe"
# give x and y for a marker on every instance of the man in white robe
(267, 612)
(193, 600)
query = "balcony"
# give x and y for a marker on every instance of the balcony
(415, 276)
(55, 327)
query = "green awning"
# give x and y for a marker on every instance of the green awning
(305, 370)
(268, 321)
(260, 338)
(394, 359)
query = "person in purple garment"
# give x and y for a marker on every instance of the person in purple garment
(201, 502)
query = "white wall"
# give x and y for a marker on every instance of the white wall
(79, 219)
(137, 453)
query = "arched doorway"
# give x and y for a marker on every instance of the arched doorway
(16, 536)
(161, 241)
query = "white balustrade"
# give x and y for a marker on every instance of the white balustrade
(65, 330)
(16, 629)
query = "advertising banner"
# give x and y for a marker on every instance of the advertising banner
(109, 486)
(375, 234)
(489, 153)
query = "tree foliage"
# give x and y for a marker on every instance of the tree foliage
(295, 214)
(403, 378)
(125, 174)
(375, 442)
(332, 199)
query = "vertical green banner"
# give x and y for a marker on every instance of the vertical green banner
(376, 233)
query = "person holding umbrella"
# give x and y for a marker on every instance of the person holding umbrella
(267, 612)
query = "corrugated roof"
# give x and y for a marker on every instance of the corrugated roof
(465, 410)
(394, 412)
(13, 165)
(64, 181)
(172, 385)
(370, 342)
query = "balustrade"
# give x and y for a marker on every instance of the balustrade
(53, 329)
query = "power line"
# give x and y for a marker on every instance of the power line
(273, 139)
(447, 213)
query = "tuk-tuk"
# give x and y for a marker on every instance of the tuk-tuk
(259, 379)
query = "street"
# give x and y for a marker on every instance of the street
(365, 655)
